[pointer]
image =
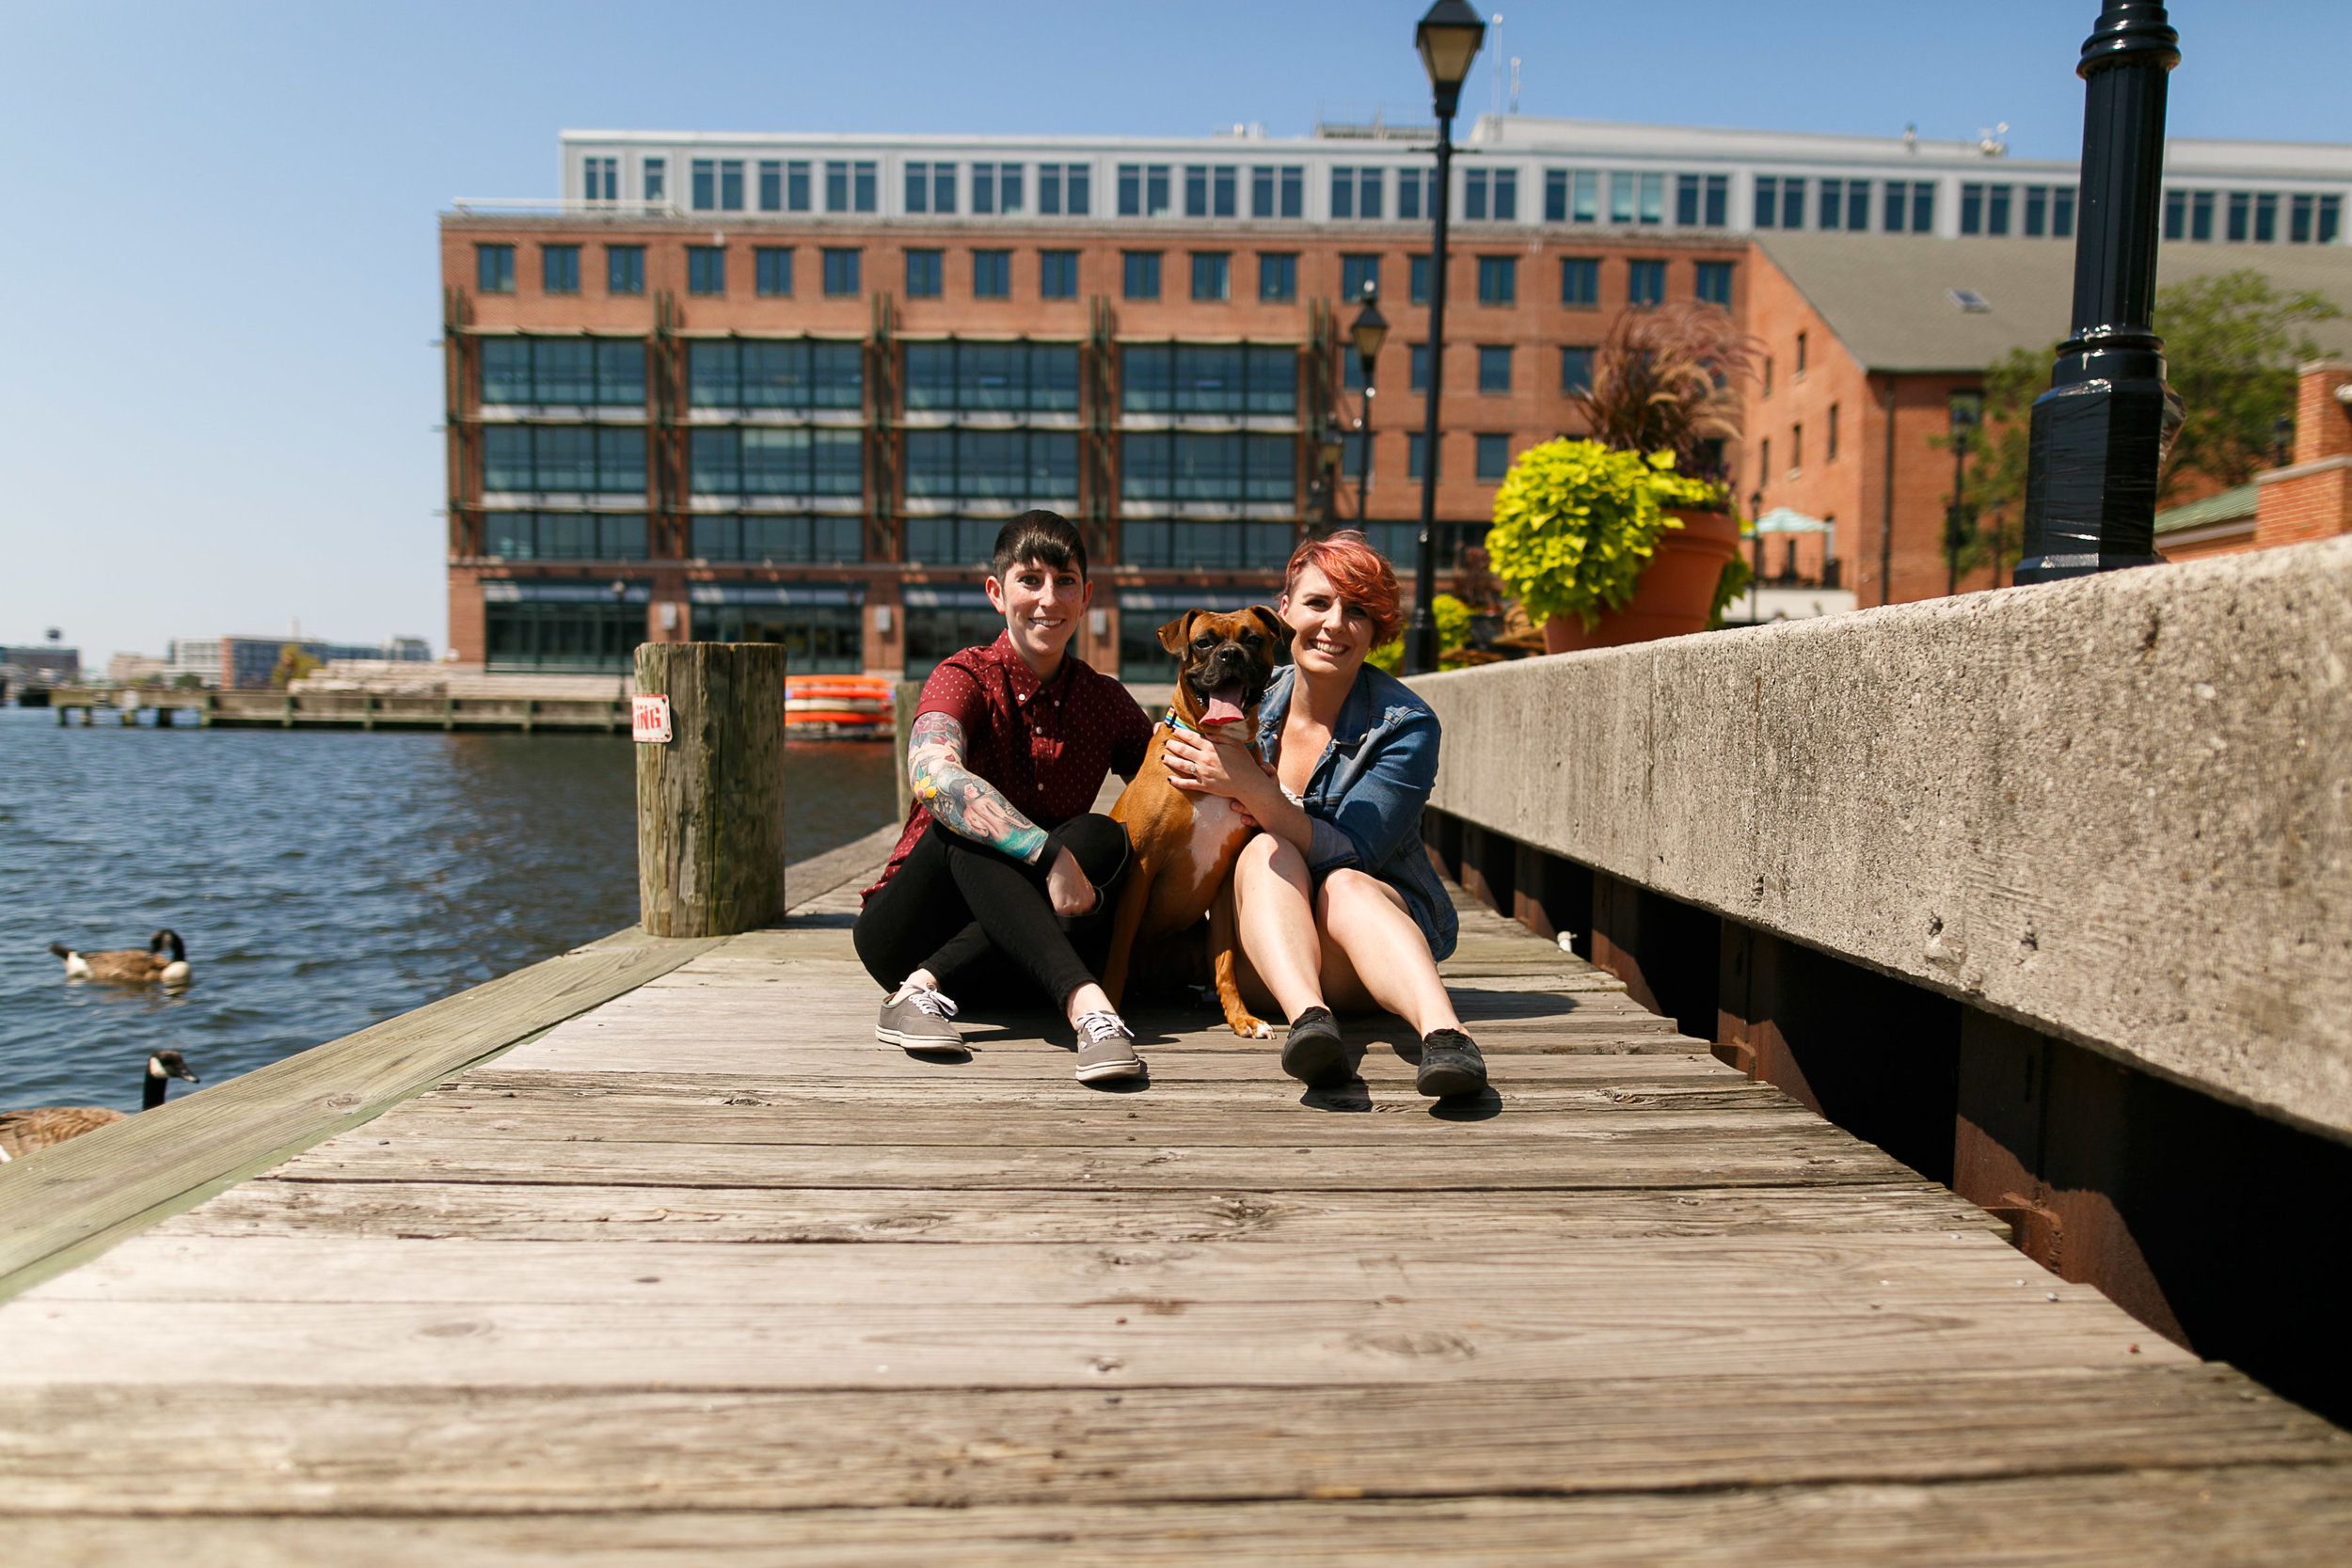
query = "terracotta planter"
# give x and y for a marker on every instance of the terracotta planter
(1670, 597)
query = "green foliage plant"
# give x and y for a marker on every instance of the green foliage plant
(1452, 617)
(1575, 522)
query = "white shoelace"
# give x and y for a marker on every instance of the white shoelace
(1096, 1028)
(932, 1002)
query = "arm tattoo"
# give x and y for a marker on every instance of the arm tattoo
(960, 800)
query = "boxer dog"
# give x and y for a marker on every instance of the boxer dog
(1184, 846)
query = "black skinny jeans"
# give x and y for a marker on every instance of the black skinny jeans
(953, 902)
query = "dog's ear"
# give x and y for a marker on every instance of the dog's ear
(1275, 625)
(1177, 634)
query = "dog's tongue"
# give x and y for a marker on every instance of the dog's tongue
(1224, 706)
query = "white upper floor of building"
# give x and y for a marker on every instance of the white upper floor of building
(1509, 171)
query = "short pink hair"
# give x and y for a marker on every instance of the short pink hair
(1362, 574)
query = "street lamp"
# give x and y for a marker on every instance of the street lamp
(620, 610)
(1966, 413)
(1448, 38)
(1756, 573)
(1370, 330)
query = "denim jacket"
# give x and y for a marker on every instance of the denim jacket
(1364, 799)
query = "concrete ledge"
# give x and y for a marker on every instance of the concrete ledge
(2118, 810)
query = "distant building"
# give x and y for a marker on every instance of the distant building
(199, 656)
(787, 387)
(38, 664)
(248, 662)
(130, 669)
(2308, 497)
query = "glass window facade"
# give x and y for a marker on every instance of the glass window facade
(558, 269)
(564, 459)
(770, 460)
(775, 538)
(1494, 458)
(1713, 283)
(1356, 271)
(772, 269)
(1212, 276)
(706, 269)
(781, 373)
(1139, 273)
(494, 268)
(1580, 281)
(571, 372)
(563, 625)
(1645, 282)
(991, 275)
(565, 535)
(625, 269)
(941, 620)
(1278, 278)
(923, 274)
(1209, 378)
(992, 377)
(816, 624)
(841, 272)
(1058, 273)
(1018, 466)
(1208, 466)
(1494, 366)
(1498, 280)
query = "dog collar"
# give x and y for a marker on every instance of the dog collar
(1175, 721)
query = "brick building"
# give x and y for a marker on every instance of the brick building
(789, 386)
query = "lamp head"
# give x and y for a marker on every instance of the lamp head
(1448, 38)
(1329, 441)
(1369, 331)
(1968, 410)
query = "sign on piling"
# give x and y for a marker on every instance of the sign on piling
(710, 795)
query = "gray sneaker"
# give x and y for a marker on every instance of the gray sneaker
(1106, 1048)
(916, 1018)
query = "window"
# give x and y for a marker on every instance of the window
(1497, 281)
(776, 460)
(1766, 201)
(1718, 200)
(771, 185)
(1800, 354)
(1923, 207)
(1411, 184)
(558, 269)
(1355, 193)
(1058, 273)
(2265, 218)
(705, 173)
(1416, 453)
(706, 269)
(1200, 465)
(603, 178)
(849, 187)
(2241, 207)
(1645, 282)
(2176, 215)
(562, 626)
(2331, 214)
(923, 270)
(1997, 204)
(774, 372)
(817, 624)
(992, 377)
(771, 271)
(2200, 215)
(1262, 192)
(1555, 196)
(610, 371)
(1294, 191)
(1417, 281)
(993, 464)
(1892, 203)
(730, 184)
(1830, 456)
(1637, 198)
(1584, 202)
(1576, 370)
(997, 187)
(657, 179)
(1062, 188)
(796, 185)
(1687, 200)
(1494, 366)
(1972, 209)
(1417, 369)
(1857, 205)
(564, 459)
(1570, 195)
(991, 275)
(1491, 194)
(1357, 273)
(1209, 190)
(1142, 190)
(1209, 378)
(625, 269)
(1764, 378)
(1764, 464)
(930, 187)
(1796, 447)
(1580, 281)
(1212, 274)
(565, 535)
(1714, 283)
(1494, 458)
(2299, 220)
(494, 268)
(1278, 278)
(1140, 274)
(2037, 213)
(841, 270)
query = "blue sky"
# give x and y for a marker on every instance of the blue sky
(217, 401)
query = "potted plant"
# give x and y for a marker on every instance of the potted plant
(1626, 536)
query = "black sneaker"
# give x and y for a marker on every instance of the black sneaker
(1316, 1053)
(1450, 1065)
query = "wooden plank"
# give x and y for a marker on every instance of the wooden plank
(523, 1211)
(74, 1200)
(1718, 1320)
(2250, 1516)
(229, 1449)
(1019, 1057)
(1776, 1156)
(855, 863)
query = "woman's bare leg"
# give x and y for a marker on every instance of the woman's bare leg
(1384, 952)
(1274, 915)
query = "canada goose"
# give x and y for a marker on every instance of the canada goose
(23, 1132)
(165, 962)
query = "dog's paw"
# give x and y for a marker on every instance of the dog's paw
(1252, 1029)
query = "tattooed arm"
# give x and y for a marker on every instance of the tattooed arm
(962, 800)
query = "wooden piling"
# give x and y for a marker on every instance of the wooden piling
(904, 695)
(710, 800)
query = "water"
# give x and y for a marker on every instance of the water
(323, 881)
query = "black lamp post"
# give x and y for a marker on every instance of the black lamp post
(2100, 432)
(1756, 550)
(1966, 413)
(1370, 330)
(620, 624)
(1448, 38)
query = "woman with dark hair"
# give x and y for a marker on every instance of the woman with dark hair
(1001, 855)
(1335, 901)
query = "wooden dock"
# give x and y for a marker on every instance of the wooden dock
(699, 1274)
(341, 710)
